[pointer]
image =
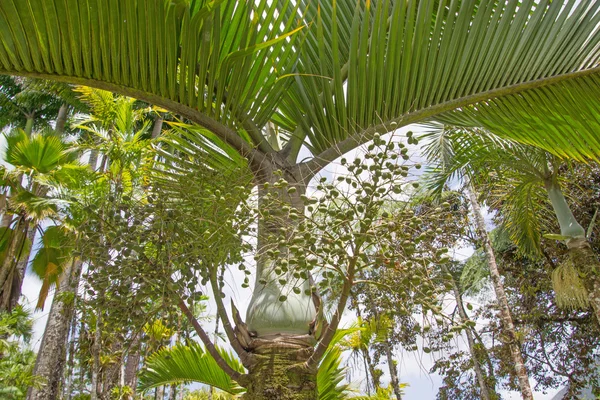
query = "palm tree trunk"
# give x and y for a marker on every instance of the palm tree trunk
(51, 357)
(371, 370)
(279, 372)
(71, 355)
(159, 393)
(173, 392)
(158, 124)
(29, 124)
(485, 392)
(506, 318)
(61, 119)
(132, 364)
(394, 381)
(281, 341)
(96, 357)
(22, 267)
(9, 279)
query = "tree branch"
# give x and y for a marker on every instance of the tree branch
(233, 340)
(242, 379)
(323, 344)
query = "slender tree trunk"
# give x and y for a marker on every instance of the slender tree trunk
(158, 124)
(132, 364)
(506, 318)
(159, 394)
(96, 357)
(111, 373)
(61, 119)
(485, 392)
(372, 370)
(71, 354)
(22, 267)
(10, 281)
(29, 124)
(51, 356)
(394, 381)
(173, 392)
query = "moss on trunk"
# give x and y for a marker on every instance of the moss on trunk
(279, 372)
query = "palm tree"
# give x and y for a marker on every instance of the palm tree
(527, 185)
(46, 161)
(441, 151)
(327, 77)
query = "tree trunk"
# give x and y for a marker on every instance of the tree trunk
(96, 348)
(279, 372)
(93, 160)
(158, 123)
(132, 364)
(394, 381)
(22, 267)
(61, 119)
(173, 392)
(29, 124)
(279, 318)
(10, 281)
(483, 387)
(51, 356)
(267, 314)
(372, 370)
(71, 355)
(159, 393)
(506, 318)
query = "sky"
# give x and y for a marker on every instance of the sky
(413, 366)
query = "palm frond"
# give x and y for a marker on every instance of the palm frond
(412, 61)
(184, 364)
(216, 62)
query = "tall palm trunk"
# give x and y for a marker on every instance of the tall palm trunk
(96, 348)
(22, 267)
(71, 355)
(394, 381)
(484, 391)
(132, 364)
(52, 354)
(61, 119)
(10, 281)
(505, 316)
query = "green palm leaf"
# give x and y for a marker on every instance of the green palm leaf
(412, 61)
(50, 260)
(215, 62)
(40, 153)
(359, 68)
(191, 363)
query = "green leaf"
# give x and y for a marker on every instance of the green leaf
(184, 364)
